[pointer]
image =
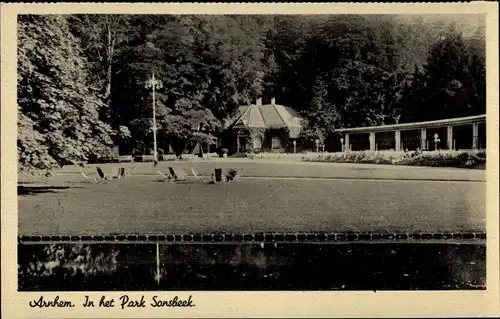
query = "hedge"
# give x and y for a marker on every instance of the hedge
(446, 158)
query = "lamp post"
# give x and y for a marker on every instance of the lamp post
(154, 84)
(342, 144)
(294, 147)
(317, 146)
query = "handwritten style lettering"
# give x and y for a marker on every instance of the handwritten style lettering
(175, 302)
(56, 303)
(88, 302)
(126, 302)
(106, 303)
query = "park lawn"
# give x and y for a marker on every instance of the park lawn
(284, 168)
(143, 205)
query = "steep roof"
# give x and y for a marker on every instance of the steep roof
(267, 116)
(231, 119)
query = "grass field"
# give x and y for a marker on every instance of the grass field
(352, 197)
(290, 168)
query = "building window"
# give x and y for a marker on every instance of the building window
(257, 143)
(276, 142)
(296, 121)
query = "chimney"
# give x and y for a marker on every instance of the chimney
(259, 101)
(273, 101)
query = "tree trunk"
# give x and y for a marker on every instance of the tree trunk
(111, 37)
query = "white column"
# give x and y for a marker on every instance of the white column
(423, 139)
(238, 143)
(372, 141)
(449, 137)
(475, 135)
(346, 141)
(397, 139)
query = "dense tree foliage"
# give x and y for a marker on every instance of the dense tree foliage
(82, 77)
(452, 83)
(58, 106)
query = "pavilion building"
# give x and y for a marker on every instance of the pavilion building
(266, 127)
(453, 134)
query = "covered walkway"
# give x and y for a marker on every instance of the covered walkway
(457, 133)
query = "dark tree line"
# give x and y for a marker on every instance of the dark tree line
(81, 78)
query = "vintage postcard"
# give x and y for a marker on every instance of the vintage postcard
(249, 160)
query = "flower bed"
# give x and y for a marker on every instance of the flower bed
(370, 157)
(288, 156)
(144, 158)
(125, 159)
(169, 157)
(210, 156)
(463, 159)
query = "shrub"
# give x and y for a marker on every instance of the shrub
(125, 158)
(210, 155)
(272, 155)
(169, 157)
(462, 159)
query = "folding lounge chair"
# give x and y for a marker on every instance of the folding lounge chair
(200, 177)
(103, 176)
(218, 176)
(238, 174)
(117, 173)
(234, 175)
(178, 174)
(163, 177)
(88, 176)
(128, 173)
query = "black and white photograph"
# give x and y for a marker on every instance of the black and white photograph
(251, 152)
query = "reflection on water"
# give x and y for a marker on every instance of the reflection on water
(101, 267)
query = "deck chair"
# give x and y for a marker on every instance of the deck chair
(200, 177)
(178, 174)
(234, 175)
(164, 178)
(128, 173)
(88, 176)
(117, 172)
(103, 176)
(218, 178)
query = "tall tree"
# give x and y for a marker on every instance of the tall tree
(58, 107)
(453, 79)
(102, 36)
(209, 65)
(338, 71)
(347, 72)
